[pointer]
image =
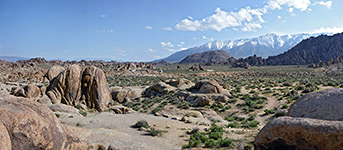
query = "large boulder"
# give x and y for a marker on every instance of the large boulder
(5, 142)
(200, 100)
(28, 91)
(126, 94)
(32, 91)
(53, 72)
(180, 83)
(95, 91)
(208, 87)
(159, 89)
(325, 104)
(30, 124)
(300, 133)
(66, 87)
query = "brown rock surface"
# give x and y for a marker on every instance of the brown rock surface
(30, 125)
(66, 87)
(95, 91)
(209, 87)
(300, 133)
(31, 91)
(54, 72)
(5, 142)
(126, 94)
(326, 104)
(159, 89)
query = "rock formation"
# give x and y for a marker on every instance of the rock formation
(315, 122)
(74, 86)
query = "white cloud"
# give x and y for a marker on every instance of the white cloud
(181, 44)
(327, 4)
(104, 31)
(148, 27)
(247, 19)
(251, 27)
(279, 17)
(103, 16)
(333, 30)
(221, 20)
(151, 50)
(168, 28)
(167, 44)
(290, 9)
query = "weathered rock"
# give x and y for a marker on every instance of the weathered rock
(159, 89)
(121, 110)
(66, 87)
(31, 91)
(30, 125)
(209, 87)
(325, 104)
(45, 100)
(180, 83)
(54, 72)
(5, 142)
(63, 108)
(200, 100)
(42, 90)
(95, 91)
(300, 133)
(126, 94)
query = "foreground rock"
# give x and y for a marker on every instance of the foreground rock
(300, 133)
(325, 104)
(127, 94)
(159, 89)
(25, 124)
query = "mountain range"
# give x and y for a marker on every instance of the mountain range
(263, 46)
(207, 57)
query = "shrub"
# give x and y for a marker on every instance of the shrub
(155, 132)
(83, 113)
(58, 115)
(141, 123)
(280, 113)
(269, 111)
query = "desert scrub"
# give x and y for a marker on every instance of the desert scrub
(212, 139)
(155, 132)
(141, 123)
(58, 115)
(83, 113)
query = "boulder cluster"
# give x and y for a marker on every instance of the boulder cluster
(74, 86)
(315, 122)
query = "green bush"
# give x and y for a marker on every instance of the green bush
(155, 132)
(58, 115)
(141, 123)
(83, 113)
(269, 111)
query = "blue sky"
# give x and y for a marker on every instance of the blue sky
(145, 30)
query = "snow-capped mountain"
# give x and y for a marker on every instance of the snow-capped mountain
(264, 46)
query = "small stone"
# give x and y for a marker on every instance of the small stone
(168, 127)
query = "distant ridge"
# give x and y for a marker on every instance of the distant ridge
(207, 57)
(312, 50)
(13, 58)
(263, 46)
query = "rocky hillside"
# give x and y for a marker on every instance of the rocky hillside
(207, 57)
(313, 50)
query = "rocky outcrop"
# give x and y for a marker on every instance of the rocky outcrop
(5, 142)
(180, 83)
(30, 125)
(315, 122)
(54, 72)
(127, 94)
(300, 133)
(66, 87)
(159, 89)
(326, 104)
(95, 91)
(208, 87)
(28, 91)
(74, 86)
